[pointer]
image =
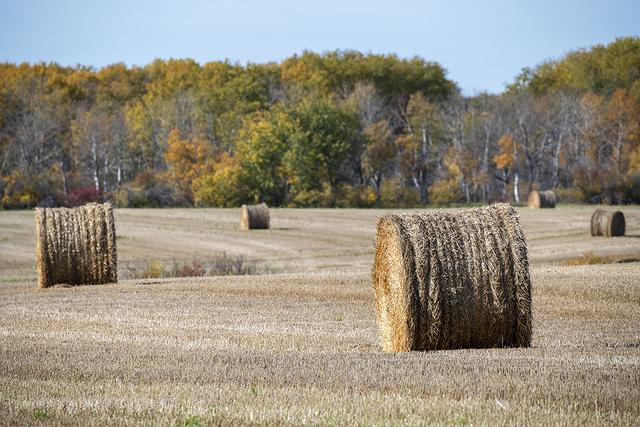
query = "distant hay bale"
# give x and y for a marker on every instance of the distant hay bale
(542, 199)
(449, 280)
(608, 224)
(76, 246)
(254, 217)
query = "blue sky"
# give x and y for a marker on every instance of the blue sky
(482, 44)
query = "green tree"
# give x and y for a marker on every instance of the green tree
(422, 145)
(325, 134)
(261, 147)
(379, 154)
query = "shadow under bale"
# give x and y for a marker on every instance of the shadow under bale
(449, 280)
(76, 246)
(254, 217)
(607, 224)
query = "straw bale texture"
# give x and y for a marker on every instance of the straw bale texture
(608, 224)
(76, 246)
(254, 217)
(542, 199)
(448, 280)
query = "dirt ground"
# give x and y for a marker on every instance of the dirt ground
(300, 346)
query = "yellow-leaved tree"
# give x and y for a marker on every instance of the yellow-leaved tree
(188, 159)
(223, 187)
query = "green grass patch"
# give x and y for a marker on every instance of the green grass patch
(191, 421)
(40, 414)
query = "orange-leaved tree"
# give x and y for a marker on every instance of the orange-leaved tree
(505, 161)
(188, 158)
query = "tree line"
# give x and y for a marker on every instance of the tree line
(336, 129)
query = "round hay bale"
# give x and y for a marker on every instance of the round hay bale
(608, 224)
(542, 199)
(254, 217)
(76, 246)
(449, 280)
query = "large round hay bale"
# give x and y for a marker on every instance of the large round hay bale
(542, 199)
(76, 246)
(449, 280)
(254, 217)
(608, 224)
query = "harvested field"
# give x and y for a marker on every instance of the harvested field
(301, 346)
(306, 349)
(300, 240)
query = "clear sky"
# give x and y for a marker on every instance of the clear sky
(482, 44)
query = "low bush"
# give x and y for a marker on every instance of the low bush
(220, 265)
(151, 190)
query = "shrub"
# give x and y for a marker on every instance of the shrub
(312, 198)
(445, 191)
(151, 190)
(631, 193)
(19, 191)
(349, 196)
(82, 195)
(222, 188)
(394, 195)
(569, 195)
(220, 265)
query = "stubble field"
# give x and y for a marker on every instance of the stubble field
(300, 346)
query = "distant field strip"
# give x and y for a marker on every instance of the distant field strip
(300, 240)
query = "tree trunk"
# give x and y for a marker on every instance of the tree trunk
(94, 154)
(377, 184)
(465, 189)
(64, 180)
(485, 166)
(556, 163)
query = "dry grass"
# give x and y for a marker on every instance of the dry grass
(447, 280)
(589, 258)
(302, 347)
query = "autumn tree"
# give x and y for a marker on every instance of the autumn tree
(379, 153)
(422, 145)
(339, 128)
(262, 144)
(324, 135)
(187, 159)
(505, 163)
(622, 116)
